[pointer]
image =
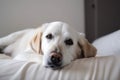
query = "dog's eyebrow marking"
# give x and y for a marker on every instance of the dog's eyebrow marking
(82, 51)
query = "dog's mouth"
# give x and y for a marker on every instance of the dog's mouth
(55, 60)
(54, 67)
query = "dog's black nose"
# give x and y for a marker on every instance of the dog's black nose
(55, 60)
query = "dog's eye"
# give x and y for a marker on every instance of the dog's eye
(68, 42)
(49, 36)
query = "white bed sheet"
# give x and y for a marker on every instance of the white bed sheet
(103, 68)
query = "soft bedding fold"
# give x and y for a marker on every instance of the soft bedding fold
(102, 68)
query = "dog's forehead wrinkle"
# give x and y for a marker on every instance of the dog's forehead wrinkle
(58, 28)
(54, 29)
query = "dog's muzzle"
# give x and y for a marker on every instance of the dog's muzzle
(55, 60)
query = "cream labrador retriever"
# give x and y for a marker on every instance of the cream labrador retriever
(53, 45)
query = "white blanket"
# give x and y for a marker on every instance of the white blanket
(103, 68)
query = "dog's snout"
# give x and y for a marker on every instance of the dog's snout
(55, 58)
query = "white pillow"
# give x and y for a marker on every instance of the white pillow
(108, 45)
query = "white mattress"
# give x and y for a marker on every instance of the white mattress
(103, 68)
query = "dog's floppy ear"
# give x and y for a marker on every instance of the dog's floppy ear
(35, 42)
(87, 49)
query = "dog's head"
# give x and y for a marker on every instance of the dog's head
(59, 44)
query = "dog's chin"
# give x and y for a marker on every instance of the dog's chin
(54, 68)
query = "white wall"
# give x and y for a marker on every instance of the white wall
(20, 14)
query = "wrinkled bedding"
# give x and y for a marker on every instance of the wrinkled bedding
(99, 68)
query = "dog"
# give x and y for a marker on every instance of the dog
(108, 45)
(53, 45)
